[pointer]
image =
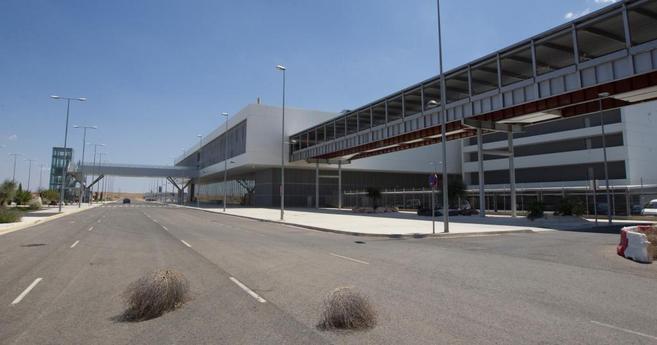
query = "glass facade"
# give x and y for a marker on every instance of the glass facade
(214, 151)
(61, 159)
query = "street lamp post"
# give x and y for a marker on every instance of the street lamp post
(41, 166)
(602, 96)
(84, 145)
(198, 189)
(100, 165)
(68, 107)
(282, 187)
(29, 172)
(443, 117)
(225, 159)
(93, 174)
(13, 177)
(433, 192)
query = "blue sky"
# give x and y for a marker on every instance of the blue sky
(158, 72)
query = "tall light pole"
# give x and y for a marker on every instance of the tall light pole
(13, 177)
(100, 165)
(29, 172)
(443, 117)
(41, 166)
(84, 145)
(433, 191)
(198, 189)
(68, 107)
(282, 187)
(93, 174)
(225, 159)
(602, 96)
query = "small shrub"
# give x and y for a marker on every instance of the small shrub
(347, 309)
(535, 210)
(49, 195)
(570, 207)
(374, 194)
(35, 204)
(7, 192)
(22, 197)
(10, 216)
(155, 294)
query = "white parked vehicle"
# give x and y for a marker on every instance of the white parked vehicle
(650, 209)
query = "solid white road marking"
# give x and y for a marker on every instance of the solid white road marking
(91, 228)
(24, 293)
(75, 244)
(247, 290)
(350, 259)
(187, 244)
(624, 330)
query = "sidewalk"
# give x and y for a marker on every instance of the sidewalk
(389, 224)
(45, 215)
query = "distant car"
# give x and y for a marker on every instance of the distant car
(650, 209)
(126, 201)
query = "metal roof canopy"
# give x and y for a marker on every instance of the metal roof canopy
(558, 73)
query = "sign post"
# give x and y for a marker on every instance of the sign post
(433, 182)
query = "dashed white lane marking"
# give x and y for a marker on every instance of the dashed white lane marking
(624, 330)
(98, 221)
(350, 259)
(91, 228)
(24, 293)
(75, 244)
(187, 244)
(165, 228)
(247, 290)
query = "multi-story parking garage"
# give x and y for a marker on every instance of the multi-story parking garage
(535, 103)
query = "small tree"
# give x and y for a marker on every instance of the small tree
(22, 196)
(7, 192)
(374, 194)
(536, 210)
(49, 195)
(456, 189)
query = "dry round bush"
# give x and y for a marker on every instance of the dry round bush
(155, 294)
(347, 309)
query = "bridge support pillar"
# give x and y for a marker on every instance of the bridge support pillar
(512, 175)
(482, 192)
(339, 185)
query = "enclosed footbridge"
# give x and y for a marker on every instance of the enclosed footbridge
(179, 176)
(603, 60)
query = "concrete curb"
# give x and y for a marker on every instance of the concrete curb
(363, 234)
(43, 221)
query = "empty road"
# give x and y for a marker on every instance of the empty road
(263, 283)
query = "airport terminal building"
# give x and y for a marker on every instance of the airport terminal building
(539, 108)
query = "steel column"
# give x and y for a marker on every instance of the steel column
(340, 185)
(317, 185)
(482, 193)
(512, 174)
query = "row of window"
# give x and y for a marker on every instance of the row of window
(568, 145)
(586, 41)
(576, 172)
(569, 124)
(215, 151)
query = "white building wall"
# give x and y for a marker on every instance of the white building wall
(263, 145)
(640, 134)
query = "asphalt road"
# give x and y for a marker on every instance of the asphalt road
(545, 288)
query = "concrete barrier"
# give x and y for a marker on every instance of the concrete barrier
(638, 243)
